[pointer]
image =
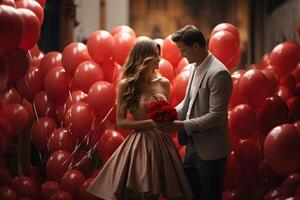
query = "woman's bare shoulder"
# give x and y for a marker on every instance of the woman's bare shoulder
(164, 81)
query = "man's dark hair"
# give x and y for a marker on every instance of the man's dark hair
(189, 35)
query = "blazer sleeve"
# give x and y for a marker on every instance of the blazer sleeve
(220, 88)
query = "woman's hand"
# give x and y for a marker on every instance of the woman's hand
(151, 124)
(171, 126)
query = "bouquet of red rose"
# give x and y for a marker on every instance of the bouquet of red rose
(161, 111)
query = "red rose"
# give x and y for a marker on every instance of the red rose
(161, 111)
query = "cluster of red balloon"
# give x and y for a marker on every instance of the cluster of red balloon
(20, 30)
(264, 127)
(68, 101)
(224, 44)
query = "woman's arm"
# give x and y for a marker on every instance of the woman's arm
(122, 121)
(165, 84)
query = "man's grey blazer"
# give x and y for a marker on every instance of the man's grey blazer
(208, 121)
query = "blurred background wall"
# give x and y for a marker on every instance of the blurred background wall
(262, 23)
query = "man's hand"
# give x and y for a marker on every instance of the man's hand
(171, 126)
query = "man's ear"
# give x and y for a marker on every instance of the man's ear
(196, 45)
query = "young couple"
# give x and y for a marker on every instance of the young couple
(147, 164)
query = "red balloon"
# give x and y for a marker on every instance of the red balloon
(35, 57)
(5, 178)
(41, 2)
(32, 29)
(179, 87)
(74, 54)
(170, 51)
(73, 85)
(289, 81)
(48, 189)
(7, 193)
(236, 97)
(281, 149)
(275, 193)
(8, 3)
(35, 51)
(76, 96)
(294, 108)
(95, 97)
(176, 142)
(41, 131)
(296, 73)
(274, 112)
(265, 61)
(49, 61)
(243, 121)
(224, 40)
(284, 93)
(86, 74)
(248, 157)
(25, 187)
(117, 76)
(101, 46)
(31, 83)
(43, 106)
(18, 118)
(291, 183)
(34, 6)
(57, 83)
(285, 57)
(72, 181)
(83, 161)
(231, 195)
(61, 139)
(123, 28)
(297, 90)
(226, 27)
(234, 138)
(254, 87)
(96, 133)
(123, 44)
(58, 164)
(166, 69)
(272, 79)
(234, 61)
(268, 175)
(18, 61)
(182, 63)
(4, 72)
(12, 29)
(83, 194)
(3, 144)
(4, 119)
(108, 143)
(297, 125)
(79, 119)
(61, 195)
(182, 152)
(232, 173)
(109, 70)
(11, 96)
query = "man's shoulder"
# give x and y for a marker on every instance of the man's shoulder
(217, 66)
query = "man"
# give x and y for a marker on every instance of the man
(203, 116)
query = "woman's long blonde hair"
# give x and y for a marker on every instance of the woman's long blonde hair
(136, 64)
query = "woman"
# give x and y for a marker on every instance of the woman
(147, 164)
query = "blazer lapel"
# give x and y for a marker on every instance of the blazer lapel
(199, 79)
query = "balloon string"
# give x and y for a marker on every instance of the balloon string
(87, 136)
